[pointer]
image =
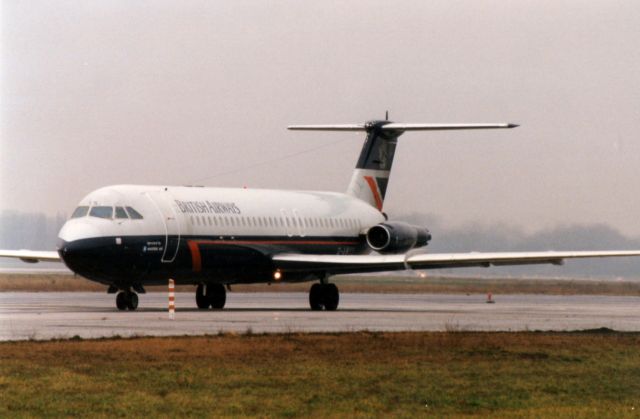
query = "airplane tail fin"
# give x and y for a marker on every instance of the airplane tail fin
(371, 175)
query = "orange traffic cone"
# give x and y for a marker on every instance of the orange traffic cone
(490, 298)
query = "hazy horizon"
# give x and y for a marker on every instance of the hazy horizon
(199, 92)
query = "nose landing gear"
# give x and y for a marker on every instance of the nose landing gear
(127, 300)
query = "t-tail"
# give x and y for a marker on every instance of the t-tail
(371, 176)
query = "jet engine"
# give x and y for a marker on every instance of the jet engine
(397, 237)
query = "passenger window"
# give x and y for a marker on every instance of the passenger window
(121, 213)
(80, 212)
(102, 212)
(133, 214)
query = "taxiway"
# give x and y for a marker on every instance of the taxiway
(26, 315)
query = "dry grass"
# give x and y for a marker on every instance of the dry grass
(374, 284)
(346, 375)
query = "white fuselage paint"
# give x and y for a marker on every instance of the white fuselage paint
(226, 212)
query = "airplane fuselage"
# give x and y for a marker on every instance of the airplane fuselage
(129, 234)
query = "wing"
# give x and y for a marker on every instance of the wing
(31, 256)
(335, 264)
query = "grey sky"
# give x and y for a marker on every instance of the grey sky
(152, 92)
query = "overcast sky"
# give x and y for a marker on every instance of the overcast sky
(188, 92)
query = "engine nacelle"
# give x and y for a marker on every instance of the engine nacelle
(397, 237)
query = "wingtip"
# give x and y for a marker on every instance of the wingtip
(513, 125)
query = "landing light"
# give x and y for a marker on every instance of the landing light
(277, 275)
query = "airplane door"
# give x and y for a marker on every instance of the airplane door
(162, 201)
(298, 221)
(287, 222)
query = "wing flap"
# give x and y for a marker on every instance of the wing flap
(32, 256)
(373, 263)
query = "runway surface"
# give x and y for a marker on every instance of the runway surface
(93, 315)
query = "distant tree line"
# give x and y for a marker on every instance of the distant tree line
(35, 231)
(499, 237)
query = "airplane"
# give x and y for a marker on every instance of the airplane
(130, 236)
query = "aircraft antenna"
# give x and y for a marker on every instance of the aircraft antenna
(386, 116)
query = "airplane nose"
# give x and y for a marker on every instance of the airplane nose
(75, 254)
(74, 230)
(78, 241)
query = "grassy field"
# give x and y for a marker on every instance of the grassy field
(346, 375)
(378, 284)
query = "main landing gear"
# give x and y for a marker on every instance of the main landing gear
(127, 300)
(211, 295)
(324, 296)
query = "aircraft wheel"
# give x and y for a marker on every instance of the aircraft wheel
(132, 300)
(315, 297)
(217, 295)
(202, 301)
(331, 297)
(121, 301)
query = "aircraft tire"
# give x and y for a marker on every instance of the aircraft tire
(315, 297)
(121, 301)
(202, 301)
(217, 296)
(331, 297)
(132, 300)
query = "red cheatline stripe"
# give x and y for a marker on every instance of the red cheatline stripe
(374, 190)
(196, 259)
(311, 242)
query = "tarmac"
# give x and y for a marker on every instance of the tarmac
(58, 315)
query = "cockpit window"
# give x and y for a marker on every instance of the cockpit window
(135, 215)
(80, 212)
(102, 212)
(121, 213)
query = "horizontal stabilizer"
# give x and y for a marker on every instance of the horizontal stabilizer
(342, 127)
(396, 126)
(437, 127)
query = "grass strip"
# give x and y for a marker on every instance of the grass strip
(318, 375)
(368, 284)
